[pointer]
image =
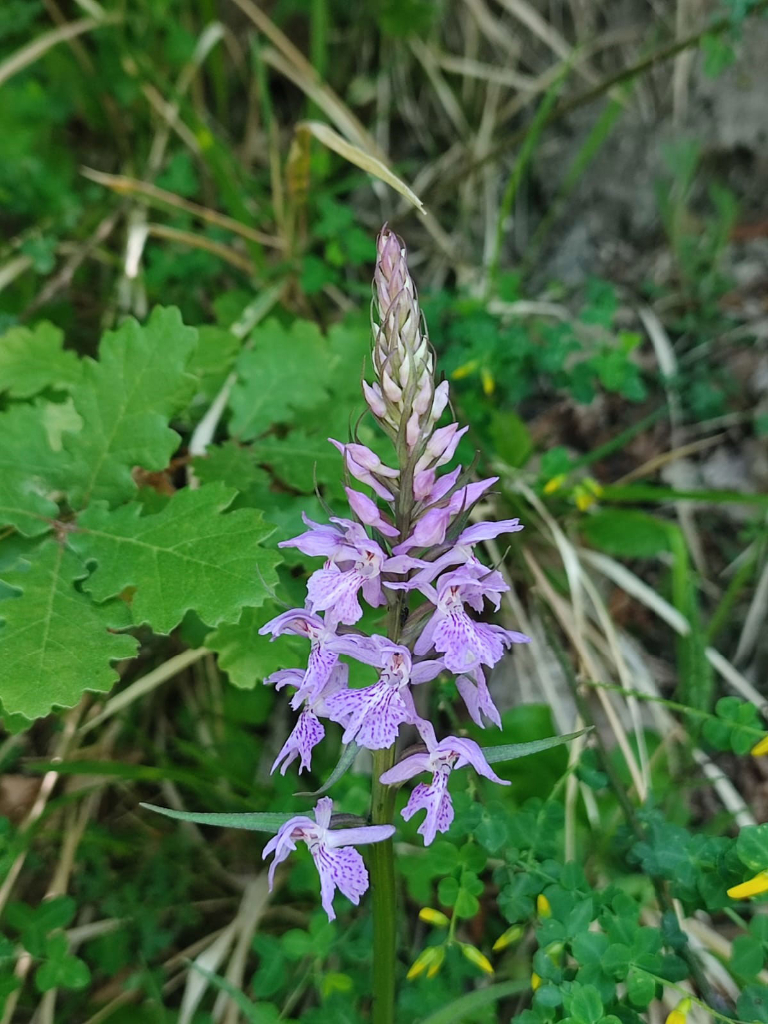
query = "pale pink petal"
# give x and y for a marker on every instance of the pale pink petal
(329, 589)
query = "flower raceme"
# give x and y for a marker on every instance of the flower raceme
(416, 534)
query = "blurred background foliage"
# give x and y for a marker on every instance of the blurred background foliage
(593, 266)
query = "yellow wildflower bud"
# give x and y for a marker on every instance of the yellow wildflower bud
(592, 485)
(760, 748)
(584, 498)
(753, 887)
(680, 1012)
(464, 371)
(476, 957)
(426, 959)
(554, 484)
(535, 981)
(438, 961)
(489, 384)
(508, 937)
(543, 906)
(435, 917)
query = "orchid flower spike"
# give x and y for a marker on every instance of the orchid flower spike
(339, 866)
(441, 759)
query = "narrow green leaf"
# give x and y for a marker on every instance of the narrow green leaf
(253, 1013)
(342, 767)
(462, 1007)
(510, 751)
(255, 822)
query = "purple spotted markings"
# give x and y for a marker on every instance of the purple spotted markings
(339, 865)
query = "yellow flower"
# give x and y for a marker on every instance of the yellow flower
(554, 484)
(489, 384)
(476, 957)
(429, 958)
(680, 1012)
(535, 981)
(760, 748)
(753, 887)
(435, 917)
(508, 937)
(583, 497)
(465, 370)
(543, 906)
(435, 966)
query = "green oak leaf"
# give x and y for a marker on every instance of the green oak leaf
(54, 642)
(32, 359)
(31, 472)
(285, 370)
(231, 464)
(190, 556)
(297, 459)
(125, 401)
(247, 657)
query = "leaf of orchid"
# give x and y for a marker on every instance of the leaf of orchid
(343, 765)
(252, 822)
(510, 751)
(32, 359)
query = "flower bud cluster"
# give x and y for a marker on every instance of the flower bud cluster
(404, 397)
(413, 534)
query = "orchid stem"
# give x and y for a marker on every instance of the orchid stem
(381, 861)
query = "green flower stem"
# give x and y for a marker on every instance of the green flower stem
(381, 860)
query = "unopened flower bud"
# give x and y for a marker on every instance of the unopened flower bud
(434, 917)
(442, 393)
(423, 482)
(441, 446)
(375, 401)
(367, 511)
(412, 430)
(543, 906)
(511, 935)
(476, 957)
(429, 958)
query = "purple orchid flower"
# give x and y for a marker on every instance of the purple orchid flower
(477, 697)
(324, 652)
(431, 528)
(367, 467)
(353, 562)
(309, 730)
(441, 759)
(339, 866)
(462, 552)
(368, 512)
(464, 643)
(372, 715)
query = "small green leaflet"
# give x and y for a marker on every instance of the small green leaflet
(189, 556)
(284, 371)
(253, 822)
(125, 401)
(510, 751)
(32, 360)
(343, 765)
(55, 643)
